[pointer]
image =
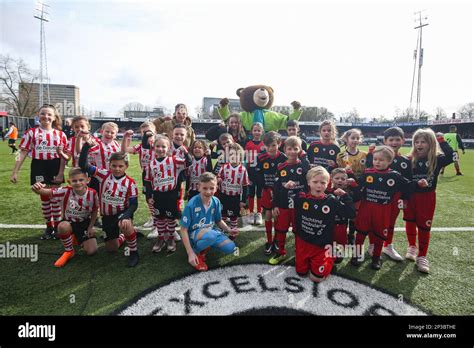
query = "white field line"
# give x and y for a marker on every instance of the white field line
(257, 228)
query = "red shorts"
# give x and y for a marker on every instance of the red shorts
(395, 210)
(340, 234)
(267, 198)
(312, 258)
(375, 218)
(420, 209)
(284, 219)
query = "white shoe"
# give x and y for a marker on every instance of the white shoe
(422, 264)
(412, 251)
(258, 219)
(149, 223)
(153, 234)
(390, 251)
(370, 250)
(177, 236)
(248, 220)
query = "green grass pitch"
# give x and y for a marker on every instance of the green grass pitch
(101, 284)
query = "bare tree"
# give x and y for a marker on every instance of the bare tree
(440, 113)
(134, 106)
(17, 80)
(466, 111)
(315, 114)
(351, 116)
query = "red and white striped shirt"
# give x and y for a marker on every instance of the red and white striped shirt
(42, 143)
(99, 154)
(233, 179)
(163, 175)
(76, 208)
(115, 193)
(71, 149)
(195, 170)
(178, 152)
(146, 155)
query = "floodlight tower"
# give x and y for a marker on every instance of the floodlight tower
(42, 14)
(418, 58)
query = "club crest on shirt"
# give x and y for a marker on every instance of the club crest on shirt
(266, 165)
(325, 209)
(403, 165)
(332, 152)
(283, 173)
(390, 182)
(316, 149)
(305, 205)
(370, 179)
(299, 171)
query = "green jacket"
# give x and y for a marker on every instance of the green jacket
(273, 121)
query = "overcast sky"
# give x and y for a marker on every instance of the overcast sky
(340, 55)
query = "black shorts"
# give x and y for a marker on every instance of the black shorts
(230, 205)
(80, 230)
(44, 171)
(167, 204)
(11, 141)
(110, 226)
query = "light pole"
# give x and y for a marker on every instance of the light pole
(418, 58)
(42, 15)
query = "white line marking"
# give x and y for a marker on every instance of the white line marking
(281, 273)
(397, 229)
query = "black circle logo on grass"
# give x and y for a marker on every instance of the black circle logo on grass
(258, 289)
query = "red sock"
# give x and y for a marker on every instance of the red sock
(121, 239)
(360, 238)
(66, 239)
(46, 209)
(151, 208)
(268, 230)
(259, 205)
(55, 212)
(423, 242)
(171, 224)
(132, 241)
(389, 236)
(251, 203)
(281, 240)
(160, 225)
(411, 233)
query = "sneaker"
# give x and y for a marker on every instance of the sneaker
(356, 261)
(459, 173)
(370, 250)
(149, 223)
(258, 219)
(268, 248)
(338, 260)
(422, 264)
(170, 246)
(376, 263)
(275, 247)
(158, 246)
(201, 266)
(276, 259)
(65, 257)
(47, 234)
(247, 220)
(153, 234)
(390, 251)
(132, 259)
(412, 251)
(177, 236)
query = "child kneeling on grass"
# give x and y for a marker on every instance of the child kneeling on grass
(80, 206)
(198, 233)
(316, 213)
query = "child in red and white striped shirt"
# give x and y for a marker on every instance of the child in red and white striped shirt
(118, 201)
(145, 152)
(100, 153)
(233, 182)
(163, 191)
(201, 163)
(46, 166)
(80, 206)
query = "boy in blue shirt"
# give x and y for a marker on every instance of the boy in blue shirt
(198, 233)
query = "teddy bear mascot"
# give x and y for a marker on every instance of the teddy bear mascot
(256, 102)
